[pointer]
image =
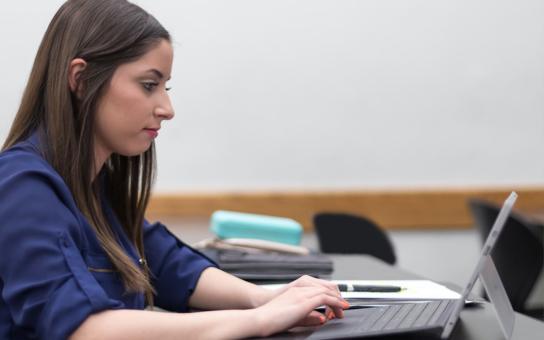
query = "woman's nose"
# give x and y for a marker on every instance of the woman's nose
(165, 110)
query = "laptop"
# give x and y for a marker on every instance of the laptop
(436, 318)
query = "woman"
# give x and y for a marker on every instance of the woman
(76, 171)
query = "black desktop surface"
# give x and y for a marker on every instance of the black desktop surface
(477, 321)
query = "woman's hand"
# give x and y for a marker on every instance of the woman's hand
(294, 306)
(308, 281)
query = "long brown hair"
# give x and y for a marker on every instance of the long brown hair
(106, 34)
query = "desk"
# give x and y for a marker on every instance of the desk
(476, 322)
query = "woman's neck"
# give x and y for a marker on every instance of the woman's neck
(100, 157)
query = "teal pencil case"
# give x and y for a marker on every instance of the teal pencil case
(231, 224)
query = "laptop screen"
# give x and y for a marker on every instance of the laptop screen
(500, 221)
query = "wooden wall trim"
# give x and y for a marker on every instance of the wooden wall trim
(394, 209)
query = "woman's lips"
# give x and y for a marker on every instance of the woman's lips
(153, 133)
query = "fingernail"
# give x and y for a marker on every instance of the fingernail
(330, 316)
(322, 319)
(345, 304)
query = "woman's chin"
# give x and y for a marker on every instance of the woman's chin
(134, 151)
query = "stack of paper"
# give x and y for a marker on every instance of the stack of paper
(411, 290)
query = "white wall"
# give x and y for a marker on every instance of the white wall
(283, 94)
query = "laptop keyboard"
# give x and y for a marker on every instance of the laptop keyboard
(389, 319)
(403, 316)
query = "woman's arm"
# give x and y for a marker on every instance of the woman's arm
(217, 289)
(137, 324)
(295, 306)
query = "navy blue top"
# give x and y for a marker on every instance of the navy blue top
(53, 271)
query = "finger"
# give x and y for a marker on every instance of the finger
(327, 300)
(331, 311)
(334, 312)
(322, 290)
(337, 312)
(329, 314)
(312, 319)
(308, 294)
(308, 281)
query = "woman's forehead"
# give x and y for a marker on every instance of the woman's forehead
(156, 62)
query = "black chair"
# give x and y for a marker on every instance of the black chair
(342, 233)
(518, 254)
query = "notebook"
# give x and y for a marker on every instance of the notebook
(437, 317)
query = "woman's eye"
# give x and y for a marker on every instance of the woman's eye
(149, 86)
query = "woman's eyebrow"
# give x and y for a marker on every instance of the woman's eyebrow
(157, 73)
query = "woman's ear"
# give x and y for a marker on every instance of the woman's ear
(76, 67)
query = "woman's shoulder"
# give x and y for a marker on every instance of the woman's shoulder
(25, 172)
(33, 190)
(24, 157)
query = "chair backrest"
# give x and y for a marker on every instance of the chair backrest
(343, 233)
(518, 254)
